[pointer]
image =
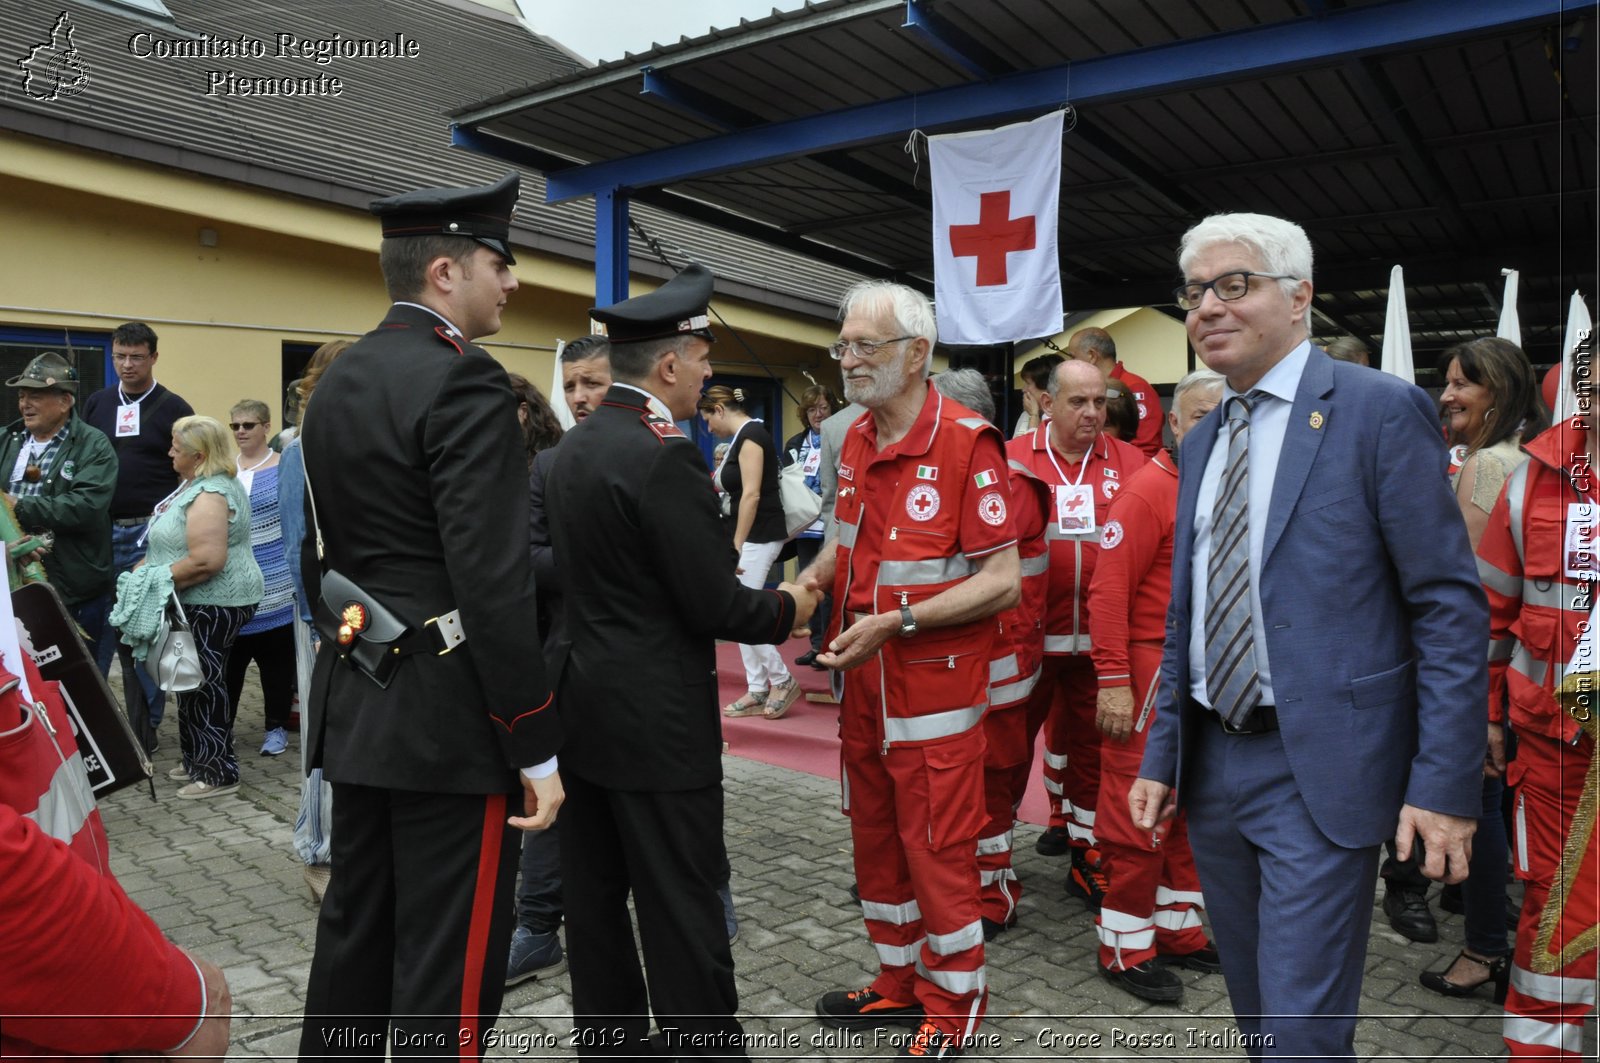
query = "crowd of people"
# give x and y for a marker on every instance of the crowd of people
(1308, 630)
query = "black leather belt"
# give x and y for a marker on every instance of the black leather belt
(1259, 721)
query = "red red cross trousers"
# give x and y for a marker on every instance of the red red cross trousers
(996, 235)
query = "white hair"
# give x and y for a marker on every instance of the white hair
(1199, 378)
(911, 310)
(1282, 246)
(967, 387)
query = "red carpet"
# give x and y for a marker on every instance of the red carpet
(807, 738)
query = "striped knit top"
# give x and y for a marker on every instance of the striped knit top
(266, 542)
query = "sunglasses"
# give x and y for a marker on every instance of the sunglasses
(244, 426)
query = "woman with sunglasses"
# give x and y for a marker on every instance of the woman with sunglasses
(268, 638)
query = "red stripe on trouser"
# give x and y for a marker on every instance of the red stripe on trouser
(1132, 858)
(1005, 733)
(1063, 706)
(1547, 777)
(496, 807)
(915, 818)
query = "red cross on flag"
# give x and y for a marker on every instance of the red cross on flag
(996, 197)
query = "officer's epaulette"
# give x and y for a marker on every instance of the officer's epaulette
(663, 428)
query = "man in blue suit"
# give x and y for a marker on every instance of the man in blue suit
(1323, 682)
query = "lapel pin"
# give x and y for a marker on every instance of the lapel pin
(1316, 419)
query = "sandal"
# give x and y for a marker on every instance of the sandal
(751, 704)
(779, 698)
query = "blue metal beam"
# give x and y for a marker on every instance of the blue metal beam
(959, 48)
(1218, 59)
(693, 102)
(610, 246)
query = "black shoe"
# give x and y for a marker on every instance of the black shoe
(855, 893)
(1450, 900)
(1203, 959)
(1410, 915)
(993, 928)
(863, 1008)
(1086, 881)
(808, 657)
(1053, 842)
(930, 1042)
(1147, 981)
(152, 744)
(1497, 973)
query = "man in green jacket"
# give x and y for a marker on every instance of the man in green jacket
(60, 474)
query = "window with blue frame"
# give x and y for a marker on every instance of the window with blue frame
(90, 352)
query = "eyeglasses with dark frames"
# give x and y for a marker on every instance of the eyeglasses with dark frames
(1227, 287)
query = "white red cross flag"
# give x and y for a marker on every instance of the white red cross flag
(996, 197)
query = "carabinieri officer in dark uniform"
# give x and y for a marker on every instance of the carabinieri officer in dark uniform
(429, 713)
(649, 586)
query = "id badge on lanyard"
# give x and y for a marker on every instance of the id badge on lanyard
(1579, 551)
(127, 419)
(1074, 508)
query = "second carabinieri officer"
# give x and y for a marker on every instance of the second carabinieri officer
(649, 586)
(429, 713)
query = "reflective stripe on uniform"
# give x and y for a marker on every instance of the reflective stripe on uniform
(1057, 761)
(1498, 579)
(898, 914)
(1003, 668)
(1067, 644)
(1535, 670)
(923, 573)
(1555, 1036)
(957, 940)
(1054, 534)
(1168, 919)
(999, 843)
(1516, 488)
(958, 982)
(1166, 898)
(69, 802)
(1011, 693)
(1552, 987)
(1036, 566)
(898, 955)
(989, 876)
(847, 534)
(934, 725)
(1054, 786)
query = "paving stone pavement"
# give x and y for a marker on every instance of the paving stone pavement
(220, 877)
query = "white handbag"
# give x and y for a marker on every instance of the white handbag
(801, 505)
(175, 656)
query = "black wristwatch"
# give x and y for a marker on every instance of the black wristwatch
(908, 623)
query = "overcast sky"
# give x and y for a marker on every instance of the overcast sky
(606, 29)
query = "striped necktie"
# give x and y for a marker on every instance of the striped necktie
(1231, 680)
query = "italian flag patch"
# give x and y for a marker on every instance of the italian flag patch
(927, 472)
(985, 478)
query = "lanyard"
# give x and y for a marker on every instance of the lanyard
(151, 390)
(1082, 468)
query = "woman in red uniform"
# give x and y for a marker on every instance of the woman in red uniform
(1538, 562)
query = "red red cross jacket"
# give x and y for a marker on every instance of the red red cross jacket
(914, 518)
(1072, 554)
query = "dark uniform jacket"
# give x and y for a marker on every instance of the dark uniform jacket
(74, 501)
(649, 578)
(418, 474)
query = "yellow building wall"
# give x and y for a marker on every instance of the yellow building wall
(88, 242)
(1149, 342)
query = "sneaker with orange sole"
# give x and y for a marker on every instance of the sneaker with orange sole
(851, 1009)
